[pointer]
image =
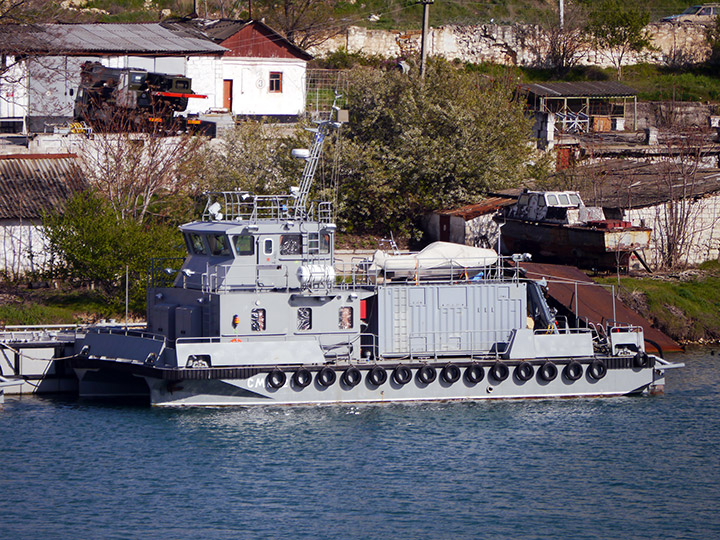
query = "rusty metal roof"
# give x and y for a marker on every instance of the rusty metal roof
(623, 183)
(591, 302)
(31, 184)
(598, 89)
(105, 38)
(486, 206)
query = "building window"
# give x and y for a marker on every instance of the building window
(257, 320)
(346, 318)
(275, 81)
(304, 318)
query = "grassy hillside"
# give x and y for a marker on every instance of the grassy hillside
(397, 14)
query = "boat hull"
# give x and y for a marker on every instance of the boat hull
(585, 247)
(251, 386)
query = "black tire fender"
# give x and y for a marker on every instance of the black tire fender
(499, 371)
(326, 377)
(548, 371)
(450, 373)
(402, 375)
(301, 378)
(524, 371)
(351, 377)
(377, 376)
(276, 378)
(474, 373)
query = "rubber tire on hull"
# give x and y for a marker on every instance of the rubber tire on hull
(326, 377)
(377, 376)
(524, 371)
(402, 375)
(474, 373)
(426, 374)
(351, 377)
(597, 369)
(301, 378)
(641, 360)
(548, 371)
(450, 373)
(499, 371)
(573, 371)
(276, 379)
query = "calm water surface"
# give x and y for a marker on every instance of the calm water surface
(603, 468)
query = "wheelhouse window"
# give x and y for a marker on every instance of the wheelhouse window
(268, 246)
(219, 244)
(564, 200)
(345, 318)
(244, 245)
(257, 320)
(291, 244)
(574, 199)
(551, 200)
(304, 318)
(276, 82)
(319, 243)
(196, 244)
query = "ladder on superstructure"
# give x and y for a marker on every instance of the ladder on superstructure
(311, 162)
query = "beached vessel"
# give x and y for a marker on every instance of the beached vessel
(258, 313)
(557, 227)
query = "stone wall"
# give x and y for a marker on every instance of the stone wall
(514, 45)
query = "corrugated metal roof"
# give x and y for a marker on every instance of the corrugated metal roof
(623, 183)
(579, 89)
(593, 303)
(113, 38)
(31, 184)
(217, 30)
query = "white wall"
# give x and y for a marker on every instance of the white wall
(250, 76)
(23, 247)
(703, 233)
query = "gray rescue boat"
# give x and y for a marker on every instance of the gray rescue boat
(258, 313)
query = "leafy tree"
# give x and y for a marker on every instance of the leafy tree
(419, 146)
(91, 245)
(305, 23)
(618, 29)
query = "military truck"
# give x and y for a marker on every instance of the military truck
(144, 97)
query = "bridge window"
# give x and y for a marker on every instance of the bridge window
(291, 244)
(319, 243)
(244, 244)
(219, 244)
(268, 246)
(304, 318)
(257, 320)
(564, 200)
(196, 244)
(345, 318)
(574, 199)
(551, 200)
(276, 82)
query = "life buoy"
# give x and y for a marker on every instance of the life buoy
(474, 374)
(377, 376)
(351, 377)
(641, 360)
(548, 371)
(276, 379)
(597, 369)
(301, 378)
(450, 373)
(325, 377)
(402, 375)
(524, 371)
(499, 371)
(426, 374)
(573, 371)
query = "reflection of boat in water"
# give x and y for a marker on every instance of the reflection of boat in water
(555, 226)
(257, 314)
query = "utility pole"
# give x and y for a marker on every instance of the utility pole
(423, 45)
(561, 9)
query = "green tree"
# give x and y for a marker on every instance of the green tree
(617, 29)
(92, 245)
(416, 146)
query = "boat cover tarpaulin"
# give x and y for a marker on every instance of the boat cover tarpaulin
(438, 255)
(594, 303)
